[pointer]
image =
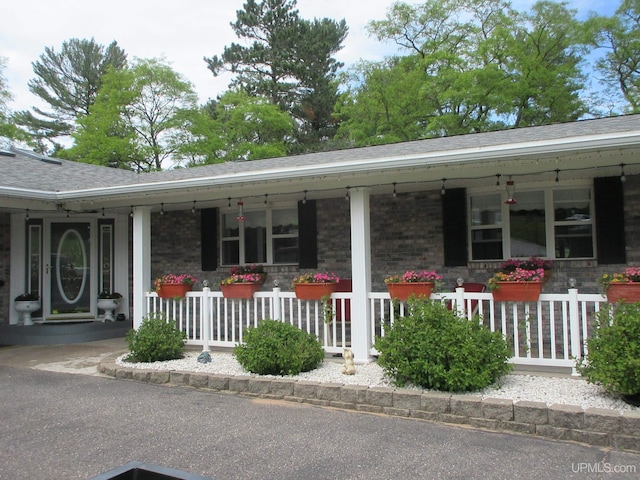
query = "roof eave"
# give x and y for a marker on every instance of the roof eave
(439, 158)
(338, 169)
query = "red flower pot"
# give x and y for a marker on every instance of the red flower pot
(240, 290)
(402, 291)
(314, 291)
(517, 291)
(627, 292)
(174, 290)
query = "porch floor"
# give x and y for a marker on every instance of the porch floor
(62, 333)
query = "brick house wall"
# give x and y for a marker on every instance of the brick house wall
(406, 234)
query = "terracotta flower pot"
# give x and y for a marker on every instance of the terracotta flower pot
(517, 291)
(174, 290)
(240, 290)
(314, 291)
(627, 292)
(402, 291)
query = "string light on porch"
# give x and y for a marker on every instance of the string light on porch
(304, 199)
(27, 215)
(240, 217)
(193, 208)
(162, 209)
(511, 188)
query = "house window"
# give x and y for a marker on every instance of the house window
(34, 257)
(527, 226)
(573, 223)
(105, 251)
(268, 236)
(486, 227)
(550, 223)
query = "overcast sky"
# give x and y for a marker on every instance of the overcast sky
(181, 32)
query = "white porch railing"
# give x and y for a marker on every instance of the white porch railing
(551, 332)
(210, 320)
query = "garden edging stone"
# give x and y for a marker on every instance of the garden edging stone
(594, 426)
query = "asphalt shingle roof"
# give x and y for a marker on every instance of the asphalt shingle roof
(545, 133)
(25, 170)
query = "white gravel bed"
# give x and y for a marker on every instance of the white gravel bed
(516, 387)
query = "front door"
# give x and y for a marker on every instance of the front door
(68, 281)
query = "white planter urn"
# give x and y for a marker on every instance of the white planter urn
(109, 305)
(24, 308)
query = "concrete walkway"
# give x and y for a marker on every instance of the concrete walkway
(82, 358)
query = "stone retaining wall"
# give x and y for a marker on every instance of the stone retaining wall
(594, 426)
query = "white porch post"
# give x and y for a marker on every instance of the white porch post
(360, 274)
(141, 261)
(574, 327)
(17, 264)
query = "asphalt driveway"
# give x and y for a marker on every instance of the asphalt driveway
(57, 425)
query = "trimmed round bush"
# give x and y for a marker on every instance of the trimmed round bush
(613, 358)
(277, 348)
(157, 339)
(433, 348)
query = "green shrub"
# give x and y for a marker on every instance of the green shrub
(433, 348)
(613, 358)
(157, 339)
(277, 348)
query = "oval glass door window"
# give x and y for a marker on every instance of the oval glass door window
(72, 266)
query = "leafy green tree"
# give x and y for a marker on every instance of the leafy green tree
(473, 65)
(544, 53)
(247, 128)
(5, 93)
(383, 102)
(138, 118)
(5, 98)
(289, 61)
(104, 137)
(200, 143)
(68, 82)
(619, 36)
(8, 130)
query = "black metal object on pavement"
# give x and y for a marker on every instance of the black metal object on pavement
(144, 471)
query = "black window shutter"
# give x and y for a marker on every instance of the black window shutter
(307, 235)
(454, 231)
(209, 238)
(609, 202)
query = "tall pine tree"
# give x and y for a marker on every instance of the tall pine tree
(289, 60)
